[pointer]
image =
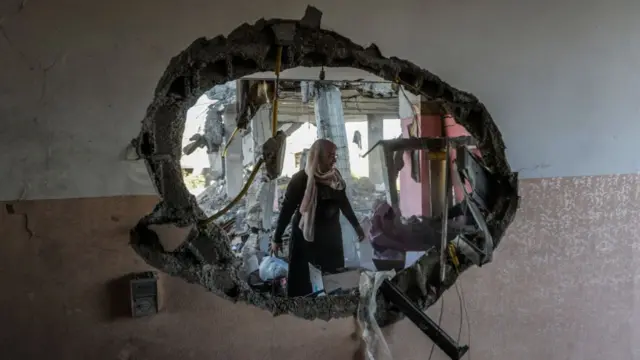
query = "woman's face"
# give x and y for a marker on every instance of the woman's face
(328, 158)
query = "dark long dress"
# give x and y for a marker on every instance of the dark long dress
(326, 251)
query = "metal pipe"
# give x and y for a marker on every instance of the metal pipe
(444, 341)
(226, 146)
(274, 119)
(437, 181)
(445, 214)
(240, 195)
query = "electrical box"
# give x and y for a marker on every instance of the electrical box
(143, 290)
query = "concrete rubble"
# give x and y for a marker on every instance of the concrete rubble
(375, 90)
(243, 217)
(206, 256)
(213, 134)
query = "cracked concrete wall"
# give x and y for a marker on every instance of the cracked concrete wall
(206, 257)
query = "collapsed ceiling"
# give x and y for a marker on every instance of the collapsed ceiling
(205, 256)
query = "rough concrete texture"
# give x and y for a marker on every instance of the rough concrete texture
(205, 257)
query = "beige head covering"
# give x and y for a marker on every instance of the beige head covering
(331, 178)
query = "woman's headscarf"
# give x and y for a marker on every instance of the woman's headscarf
(332, 178)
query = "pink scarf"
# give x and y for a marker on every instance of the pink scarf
(330, 178)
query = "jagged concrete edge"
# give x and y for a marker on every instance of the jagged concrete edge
(249, 49)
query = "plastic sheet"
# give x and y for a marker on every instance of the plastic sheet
(272, 267)
(376, 345)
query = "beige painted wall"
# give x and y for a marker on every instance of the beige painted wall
(561, 287)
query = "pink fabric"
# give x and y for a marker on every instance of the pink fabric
(386, 230)
(389, 233)
(331, 178)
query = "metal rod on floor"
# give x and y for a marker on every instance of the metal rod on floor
(445, 342)
(445, 213)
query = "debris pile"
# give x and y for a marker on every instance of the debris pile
(243, 222)
(362, 193)
(214, 197)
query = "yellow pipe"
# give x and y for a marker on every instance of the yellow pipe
(240, 195)
(254, 172)
(274, 118)
(274, 115)
(226, 146)
(454, 257)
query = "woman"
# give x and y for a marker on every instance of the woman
(316, 195)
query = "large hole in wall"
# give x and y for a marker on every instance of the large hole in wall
(204, 94)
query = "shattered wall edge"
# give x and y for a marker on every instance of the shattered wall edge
(206, 258)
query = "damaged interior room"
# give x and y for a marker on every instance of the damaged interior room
(278, 182)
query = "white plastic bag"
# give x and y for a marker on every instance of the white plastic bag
(272, 267)
(376, 345)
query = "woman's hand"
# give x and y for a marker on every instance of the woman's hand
(275, 247)
(360, 233)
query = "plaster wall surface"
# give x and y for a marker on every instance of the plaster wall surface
(74, 85)
(562, 286)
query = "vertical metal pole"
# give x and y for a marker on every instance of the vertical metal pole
(427, 154)
(445, 213)
(392, 188)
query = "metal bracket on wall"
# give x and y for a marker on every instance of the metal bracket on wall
(449, 346)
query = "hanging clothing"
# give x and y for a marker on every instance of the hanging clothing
(357, 139)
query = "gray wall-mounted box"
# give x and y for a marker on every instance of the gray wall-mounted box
(143, 290)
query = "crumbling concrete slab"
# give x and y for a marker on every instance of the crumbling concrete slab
(312, 18)
(285, 33)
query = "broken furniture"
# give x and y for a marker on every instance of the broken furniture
(474, 245)
(468, 170)
(447, 344)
